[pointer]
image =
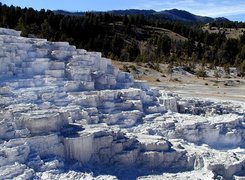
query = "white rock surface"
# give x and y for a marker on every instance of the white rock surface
(66, 113)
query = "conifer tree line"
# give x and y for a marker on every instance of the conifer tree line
(129, 38)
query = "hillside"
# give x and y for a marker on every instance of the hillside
(184, 16)
(163, 31)
(234, 33)
(134, 38)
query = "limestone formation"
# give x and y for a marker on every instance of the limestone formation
(65, 110)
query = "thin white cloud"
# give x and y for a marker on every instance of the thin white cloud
(212, 8)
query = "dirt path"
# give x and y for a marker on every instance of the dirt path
(206, 91)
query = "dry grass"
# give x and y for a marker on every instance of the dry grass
(229, 32)
(171, 34)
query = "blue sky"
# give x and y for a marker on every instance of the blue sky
(233, 9)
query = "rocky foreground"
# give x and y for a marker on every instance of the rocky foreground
(66, 113)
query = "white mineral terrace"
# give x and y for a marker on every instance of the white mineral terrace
(66, 113)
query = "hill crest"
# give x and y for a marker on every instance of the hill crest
(172, 14)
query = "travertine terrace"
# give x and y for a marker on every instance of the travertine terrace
(66, 113)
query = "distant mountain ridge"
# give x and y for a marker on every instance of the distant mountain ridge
(173, 14)
(181, 15)
(68, 13)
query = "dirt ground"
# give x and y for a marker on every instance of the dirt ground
(186, 84)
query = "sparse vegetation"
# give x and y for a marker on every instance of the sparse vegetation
(227, 68)
(171, 66)
(125, 69)
(217, 74)
(242, 68)
(201, 73)
(133, 67)
(154, 66)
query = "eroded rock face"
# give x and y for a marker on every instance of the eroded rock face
(64, 111)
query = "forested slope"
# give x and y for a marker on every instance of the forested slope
(131, 37)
